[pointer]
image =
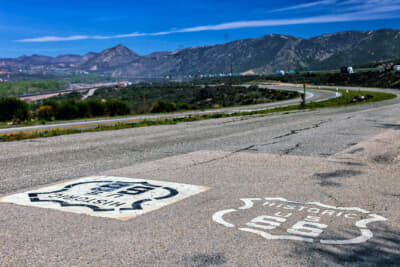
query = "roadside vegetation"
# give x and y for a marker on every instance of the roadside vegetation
(147, 98)
(389, 79)
(142, 99)
(13, 109)
(347, 98)
(29, 87)
(384, 79)
(63, 78)
(17, 111)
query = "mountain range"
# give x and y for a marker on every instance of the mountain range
(257, 55)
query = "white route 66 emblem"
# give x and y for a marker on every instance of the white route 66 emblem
(279, 218)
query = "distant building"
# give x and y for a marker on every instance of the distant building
(280, 72)
(396, 67)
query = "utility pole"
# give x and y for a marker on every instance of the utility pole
(231, 70)
(144, 99)
(304, 97)
(198, 84)
(198, 75)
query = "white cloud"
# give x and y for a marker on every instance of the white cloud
(306, 5)
(348, 10)
(55, 39)
(365, 5)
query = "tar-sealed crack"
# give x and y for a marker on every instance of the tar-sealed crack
(291, 149)
(252, 148)
(296, 131)
(356, 150)
(349, 163)
(249, 148)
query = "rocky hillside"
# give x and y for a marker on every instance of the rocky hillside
(266, 54)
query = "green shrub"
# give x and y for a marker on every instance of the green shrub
(184, 106)
(83, 109)
(163, 106)
(12, 108)
(67, 111)
(96, 108)
(117, 107)
(45, 112)
(53, 103)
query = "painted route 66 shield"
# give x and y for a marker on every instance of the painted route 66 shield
(107, 196)
(279, 218)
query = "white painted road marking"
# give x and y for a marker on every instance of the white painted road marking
(218, 217)
(279, 215)
(107, 196)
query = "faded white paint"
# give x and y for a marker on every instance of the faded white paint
(248, 203)
(107, 196)
(310, 228)
(218, 217)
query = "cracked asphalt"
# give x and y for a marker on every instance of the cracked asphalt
(319, 133)
(319, 155)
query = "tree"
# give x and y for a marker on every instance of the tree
(96, 108)
(53, 103)
(46, 112)
(67, 110)
(83, 109)
(117, 107)
(163, 106)
(12, 108)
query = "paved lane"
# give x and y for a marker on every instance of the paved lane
(335, 170)
(312, 95)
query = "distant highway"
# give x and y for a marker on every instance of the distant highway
(312, 95)
(80, 88)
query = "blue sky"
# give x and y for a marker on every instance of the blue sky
(76, 27)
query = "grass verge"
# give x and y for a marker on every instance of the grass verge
(344, 100)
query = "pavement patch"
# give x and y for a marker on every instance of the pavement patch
(107, 196)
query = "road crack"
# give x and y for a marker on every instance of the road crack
(296, 131)
(291, 149)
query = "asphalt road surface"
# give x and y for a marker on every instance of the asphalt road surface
(312, 95)
(302, 188)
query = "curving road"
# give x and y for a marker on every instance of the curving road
(312, 95)
(338, 167)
